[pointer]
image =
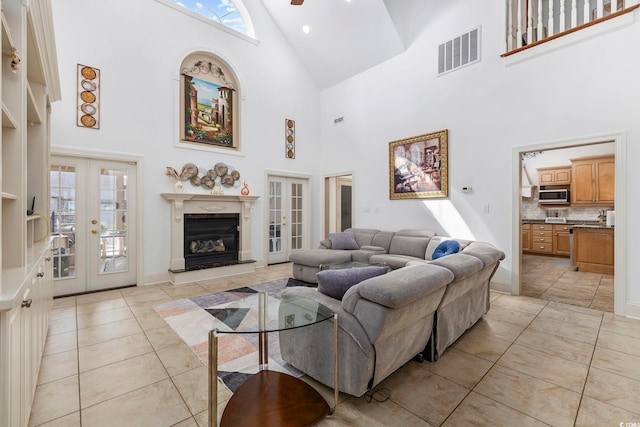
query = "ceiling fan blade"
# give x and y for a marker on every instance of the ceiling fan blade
(297, 2)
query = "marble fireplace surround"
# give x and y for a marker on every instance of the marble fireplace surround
(185, 203)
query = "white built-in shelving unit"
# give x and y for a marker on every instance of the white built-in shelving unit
(26, 282)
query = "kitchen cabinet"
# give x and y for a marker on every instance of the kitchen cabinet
(593, 249)
(593, 182)
(554, 175)
(561, 239)
(525, 239)
(542, 238)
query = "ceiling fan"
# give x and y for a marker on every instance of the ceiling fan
(297, 2)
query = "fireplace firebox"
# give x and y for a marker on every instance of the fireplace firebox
(210, 239)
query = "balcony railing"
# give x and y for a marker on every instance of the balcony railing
(531, 22)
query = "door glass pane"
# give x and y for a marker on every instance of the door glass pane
(62, 195)
(275, 216)
(113, 221)
(296, 216)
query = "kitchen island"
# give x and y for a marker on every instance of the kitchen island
(593, 248)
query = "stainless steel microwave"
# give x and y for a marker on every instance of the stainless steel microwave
(555, 196)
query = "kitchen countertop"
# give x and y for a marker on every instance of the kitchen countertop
(575, 223)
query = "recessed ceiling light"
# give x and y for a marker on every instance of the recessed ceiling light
(306, 29)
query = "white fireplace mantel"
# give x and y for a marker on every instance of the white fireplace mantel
(186, 203)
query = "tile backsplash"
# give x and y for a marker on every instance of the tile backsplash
(531, 210)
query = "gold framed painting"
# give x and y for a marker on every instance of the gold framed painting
(418, 166)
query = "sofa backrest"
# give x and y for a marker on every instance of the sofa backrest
(436, 240)
(411, 242)
(383, 239)
(364, 236)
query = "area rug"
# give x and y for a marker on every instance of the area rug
(193, 318)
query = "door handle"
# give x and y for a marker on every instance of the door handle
(94, 221)
(94, 231)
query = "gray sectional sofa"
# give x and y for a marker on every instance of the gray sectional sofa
(420, 307)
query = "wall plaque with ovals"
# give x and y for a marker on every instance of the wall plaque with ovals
(87, 96)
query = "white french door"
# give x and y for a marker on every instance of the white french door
(94, 243)
(288, 218)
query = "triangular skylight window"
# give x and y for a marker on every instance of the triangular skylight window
(230, 13)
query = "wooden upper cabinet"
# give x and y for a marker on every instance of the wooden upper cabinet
(554, 175)
(593, 181)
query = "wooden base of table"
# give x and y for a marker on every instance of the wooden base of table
(271, 398)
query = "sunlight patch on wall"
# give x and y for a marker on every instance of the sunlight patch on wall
(450, 219)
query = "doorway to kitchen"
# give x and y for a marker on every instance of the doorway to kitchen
(546, 268)
(338, 203)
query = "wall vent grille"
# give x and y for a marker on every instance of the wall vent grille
(459, 52)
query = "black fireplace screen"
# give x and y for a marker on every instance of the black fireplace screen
(210, 239)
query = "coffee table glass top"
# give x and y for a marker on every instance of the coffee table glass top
(350, 264)
(267, 312)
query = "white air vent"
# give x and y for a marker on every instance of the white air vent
(459, 52)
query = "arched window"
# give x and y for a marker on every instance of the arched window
(229, 13)
(209, 100)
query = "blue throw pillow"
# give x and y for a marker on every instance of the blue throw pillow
(446, 247)
(335, 283)
(343, 240)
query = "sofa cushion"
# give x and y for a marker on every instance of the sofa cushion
(315, 257)
(436, 240)
(445, 248)
(346, 241)
(410, 242)
(335, 283)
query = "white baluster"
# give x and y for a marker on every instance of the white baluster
(540, 24)
(574, 13)
(550, 29)
(587, 11)
(510, 26)
(600, 9)
(519, 30)
(530, 22)
(562, 16)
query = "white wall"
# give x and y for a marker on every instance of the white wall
(587, 88)
(138, 47)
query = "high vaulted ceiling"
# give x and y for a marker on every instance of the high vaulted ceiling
(345, 37)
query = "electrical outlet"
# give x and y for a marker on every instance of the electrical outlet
(485, 208)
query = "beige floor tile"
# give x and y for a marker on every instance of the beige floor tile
(485, 347)
(460, 367)
(619, 342)
(150, 322)
(217, 285)
(108, 331)
(108, 304)
(573, 308)
(357, 412)
(119, 378)
(148, 298)
(60, 326)
(576, 351)
(507, 315)
(245, 280)
(477, 410)
(141, 310)
(98, 296)
(616, 390)
(54, 400)
(568, 296)
(178, 358)
(60, 343)
(547, 402)
(163, 337)
(552, 369)
(155, 405)
(193, 387)
(566, 330)
(438, 396)
(64, 302)
(593, 413)
(563, 314)
(95, 318)
(112, 351)
(495, 328)
(622, 325)
(137, 290)
(58, 366)
(616, 362)
(71, 420)
(189, 422)
(185, 291)
(524, 304)
(63, 312)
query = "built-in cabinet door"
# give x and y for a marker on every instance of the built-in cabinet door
(94, 240)
(593, 181)
(526, 237)
(287, 228)
(561, 240)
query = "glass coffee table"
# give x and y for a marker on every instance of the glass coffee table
(270, 398)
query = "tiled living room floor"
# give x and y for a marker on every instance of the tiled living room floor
(110, 360)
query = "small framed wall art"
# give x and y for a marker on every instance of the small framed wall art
(419, 167)
(290, 138)
(88, 99)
